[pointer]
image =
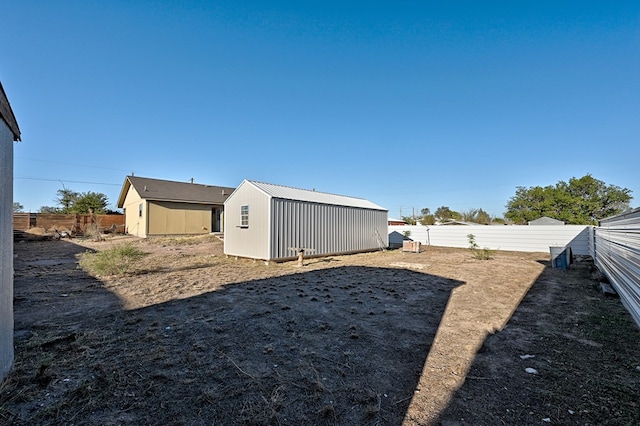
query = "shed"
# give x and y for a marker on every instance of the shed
(9, 133)
(546, 220)
(271, 222)
(155, 207)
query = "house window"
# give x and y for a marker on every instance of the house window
(140, 210)
(244, 216)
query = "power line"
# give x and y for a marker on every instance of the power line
(71, 164)
(65, 180)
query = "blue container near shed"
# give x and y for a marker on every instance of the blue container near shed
(561, 257)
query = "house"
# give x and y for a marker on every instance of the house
(155, 207)
(453, 222)
(273, 222)
(545, 220)
(392, 221)
(9, 133)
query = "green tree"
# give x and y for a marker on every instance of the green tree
(477, 216)
(66, 199)
(581, 201)
(444, 213)
(483, 217)
(78, 202)
(91, 202)
(409, 219)
(49, 209)
(428, 219)
(17, 207)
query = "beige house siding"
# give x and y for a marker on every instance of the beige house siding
(169, 218)
(134, 223)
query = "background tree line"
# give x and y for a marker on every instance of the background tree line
(580, 201)
(444, 214)
(70, 202)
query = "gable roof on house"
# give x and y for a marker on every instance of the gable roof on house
(546, 220)
(167, 190)
(6, 114)
(458, 222)
(312, 196)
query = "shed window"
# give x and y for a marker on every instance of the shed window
(244, 216)
(140, 210)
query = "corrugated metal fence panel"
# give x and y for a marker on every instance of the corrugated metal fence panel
(326, 229)
(508, 238)
(617, 249)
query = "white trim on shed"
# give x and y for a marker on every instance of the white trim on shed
(9, 133)
(269, 222)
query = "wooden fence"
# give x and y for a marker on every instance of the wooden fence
(68, 222)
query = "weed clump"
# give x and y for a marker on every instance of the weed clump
(479, 253)
(117, 260)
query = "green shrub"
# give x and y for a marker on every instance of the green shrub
(117, 260)
(479, 253)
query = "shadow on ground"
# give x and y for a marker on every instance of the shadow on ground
(568, 355)
(345, 345)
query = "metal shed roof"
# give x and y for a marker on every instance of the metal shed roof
(289, 193)
(166, 190)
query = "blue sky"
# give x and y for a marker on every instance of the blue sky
(407, 104)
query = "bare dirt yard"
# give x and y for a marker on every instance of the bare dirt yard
(189, 337)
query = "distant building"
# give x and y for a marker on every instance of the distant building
(545, 220)
(155, 207)
(457, 222)
(392, 221)
(9, 133)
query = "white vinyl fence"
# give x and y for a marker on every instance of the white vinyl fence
(617, 255)
(508, 238)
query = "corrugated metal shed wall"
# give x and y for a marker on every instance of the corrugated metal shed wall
(617, 255)
(510, 238)
(327, 229)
